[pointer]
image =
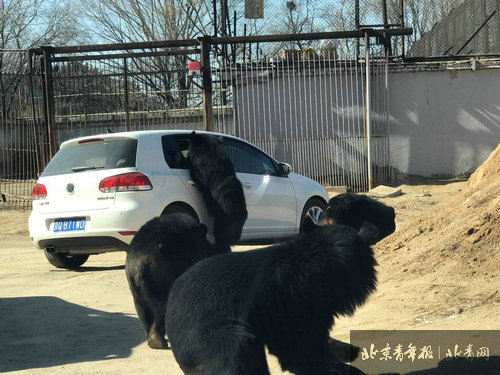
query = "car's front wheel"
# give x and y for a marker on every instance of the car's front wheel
(313, 209)
(68, 261)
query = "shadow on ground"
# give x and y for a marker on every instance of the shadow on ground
(97, 268)
(40, 332)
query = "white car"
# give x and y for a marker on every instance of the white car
(97, 192)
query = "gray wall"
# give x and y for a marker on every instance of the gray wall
(443, 122)
(315, 121)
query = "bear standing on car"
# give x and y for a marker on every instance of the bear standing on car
(213, 172)
(224, 310)
(162, 249)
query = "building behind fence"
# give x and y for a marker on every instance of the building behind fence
(467, 27)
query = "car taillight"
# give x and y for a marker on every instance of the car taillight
(39, 192)
(89, 140)
(125, 182)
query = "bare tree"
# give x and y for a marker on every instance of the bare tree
(420, 15)
(122, 21)
(32, 23)
(340, 16)
(26, 24)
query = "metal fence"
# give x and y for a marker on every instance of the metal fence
(310, 109)
(257, 17)
(442, 27)
(320, 109)
(19, 154)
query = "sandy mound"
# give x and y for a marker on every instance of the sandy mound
(461, 235)
(448, 258)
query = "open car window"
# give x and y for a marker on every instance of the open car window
(175, 150)
(245, 158)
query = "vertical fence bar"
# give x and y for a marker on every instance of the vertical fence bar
(357, 25)
(49, 100)
(208, 110)
(386, 117)
(126, 95)
(33, 109)
(402, 25)
(368, 109)
(496, 25)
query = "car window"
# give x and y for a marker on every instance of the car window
(110, 154)
(248, 159)
(245, 158)
(175, 150)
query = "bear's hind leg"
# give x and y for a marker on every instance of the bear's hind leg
(252, 360)
(156, 335)
(223, 353)
(313, 357)
(222, 240)
(249, 361)
(143, 310)
(151, 312)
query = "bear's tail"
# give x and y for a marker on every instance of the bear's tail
(135, 273)
(369, 233)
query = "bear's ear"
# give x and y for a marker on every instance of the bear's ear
(308, 225)
(369, 233)
(195, 139)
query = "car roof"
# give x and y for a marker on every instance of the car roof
(141, 133)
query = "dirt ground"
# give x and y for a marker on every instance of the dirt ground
(83, 322)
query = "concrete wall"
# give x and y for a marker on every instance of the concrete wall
(443, 122)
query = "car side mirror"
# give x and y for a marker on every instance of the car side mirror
(285, 169)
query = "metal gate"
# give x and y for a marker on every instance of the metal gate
(19, 153)
(307, 99)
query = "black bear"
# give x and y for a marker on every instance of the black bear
(213, 172)
(225, 309)
(353, 210)
(162, 249)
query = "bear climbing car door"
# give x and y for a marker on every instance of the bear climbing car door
(270, 198)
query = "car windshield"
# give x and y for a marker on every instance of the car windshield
(108, 154)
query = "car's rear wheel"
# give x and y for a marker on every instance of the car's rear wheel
(313, 209)
(68, 261)
(180, 208)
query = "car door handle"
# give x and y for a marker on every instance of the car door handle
(247, 186)
(191, 182)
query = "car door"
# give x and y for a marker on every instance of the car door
(270, 198)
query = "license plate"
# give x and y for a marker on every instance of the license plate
(69, 225)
